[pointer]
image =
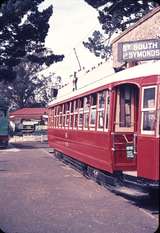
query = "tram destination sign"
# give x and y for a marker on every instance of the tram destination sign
(140, 50)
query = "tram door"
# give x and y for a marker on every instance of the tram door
(125, 127)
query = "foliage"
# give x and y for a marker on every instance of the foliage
(23, 29)
(97, 46)
(115, 16)
(27, 90)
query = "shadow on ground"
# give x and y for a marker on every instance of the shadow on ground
(148, 202)
(1, 231)
(30, 145)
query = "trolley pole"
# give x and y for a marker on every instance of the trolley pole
(77, 59)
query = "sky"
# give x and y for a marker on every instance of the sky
(72, 22)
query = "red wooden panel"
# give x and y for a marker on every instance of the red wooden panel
(90, 147)
(148, 155)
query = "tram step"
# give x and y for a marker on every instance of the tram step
(126, 191)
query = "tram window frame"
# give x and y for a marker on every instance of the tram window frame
(80, 113)
(93, 109)
(104, 109)
(50, 123)
(75, 121)
(149, 109)
(71, 115)
(67, 113)
(55, 117)
(100, 110)
(80, 118)
(60, 120)
(107, 110)
(86, 110)
(60, 116)
(63, 116)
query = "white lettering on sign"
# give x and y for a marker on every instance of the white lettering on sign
(141, 54)
(140, 46)
(140, 50)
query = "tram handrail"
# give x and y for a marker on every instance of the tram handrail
(121, 143)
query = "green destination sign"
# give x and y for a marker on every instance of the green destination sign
(139, 50)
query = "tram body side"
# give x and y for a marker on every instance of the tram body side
(148, 145)
(96, 149)
(91, 148)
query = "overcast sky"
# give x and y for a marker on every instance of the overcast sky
(71, 23)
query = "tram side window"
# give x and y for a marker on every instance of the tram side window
(63, 116)
(71, 114)
(75, 119)
(60, 116)
(148, 110)
(50, 118)
(107, 112)
(55, 117)
(80, 113)
(103, 110)
(86, 111)
(66, 110)
(93, 100)
(101, 102)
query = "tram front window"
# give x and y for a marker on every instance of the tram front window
(149, 120)
(149, 98)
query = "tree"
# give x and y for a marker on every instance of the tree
(29, 89)
(115, 16)
(23, 29)
(96, 45)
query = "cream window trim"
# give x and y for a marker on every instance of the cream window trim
(71, 115)
(74, 117)
(93, 109)
(99, 128)
(107, 111)
(67, 117)
(149, 109)
(80, 125)
(145, 88)
(84, 127)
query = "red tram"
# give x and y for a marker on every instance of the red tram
(111, 122)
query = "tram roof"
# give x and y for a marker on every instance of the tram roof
(99, 77)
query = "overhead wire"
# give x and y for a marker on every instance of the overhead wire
(77, 44)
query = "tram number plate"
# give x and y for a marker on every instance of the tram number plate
(129, 150)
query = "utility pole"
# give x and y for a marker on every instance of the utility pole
(77, 59)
